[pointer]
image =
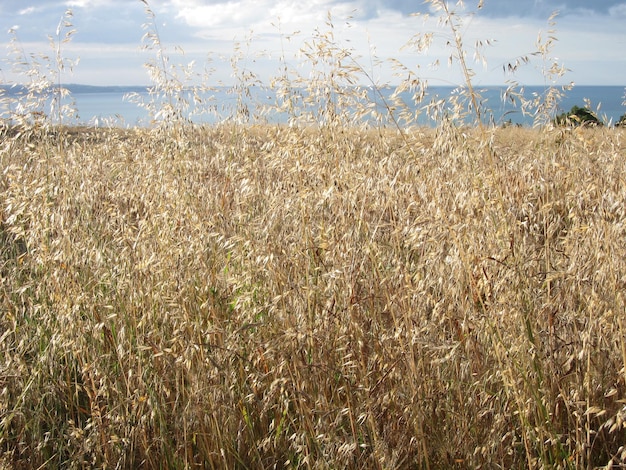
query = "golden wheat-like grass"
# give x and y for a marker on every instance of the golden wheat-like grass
(275, 297)
(321, 294)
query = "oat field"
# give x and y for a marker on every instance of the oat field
(323, 294)
(273, 297)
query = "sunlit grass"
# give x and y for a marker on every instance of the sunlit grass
(249, 299)
(320, 294)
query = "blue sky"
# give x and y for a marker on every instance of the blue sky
(591, 39)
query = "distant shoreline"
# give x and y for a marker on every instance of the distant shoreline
(95, 103)
(78, 88)
(82, 88)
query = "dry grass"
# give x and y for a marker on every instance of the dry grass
(265, 297)
(315, 295)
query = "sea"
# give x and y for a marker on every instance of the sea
(121, 106)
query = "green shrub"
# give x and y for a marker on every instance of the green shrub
(578, 116)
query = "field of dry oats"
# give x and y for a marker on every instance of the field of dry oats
(319, 295)
(276, 297)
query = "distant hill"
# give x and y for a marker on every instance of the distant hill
(78, 88)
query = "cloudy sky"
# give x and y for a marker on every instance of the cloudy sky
(591, 39)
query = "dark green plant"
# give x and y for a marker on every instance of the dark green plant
(578, 116)
(621, 121)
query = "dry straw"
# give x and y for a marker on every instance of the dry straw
(312, 296)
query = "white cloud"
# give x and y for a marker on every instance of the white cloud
(221, 14)
(26, 11)
(618, 10)
(89, 3)
(256, 14)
